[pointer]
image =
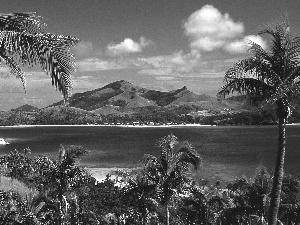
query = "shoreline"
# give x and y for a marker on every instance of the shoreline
(140, 126)
(111, 125)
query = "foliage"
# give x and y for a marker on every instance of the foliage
(17, 165)
(49, 191)
(168, 171)
(272, 76)
(10, 184)
(24, 42)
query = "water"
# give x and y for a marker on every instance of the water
(227, 152)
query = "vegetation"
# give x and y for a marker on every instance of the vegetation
(131, 97)
(273, 76)
(25, 42)
(167, 172)
(40, 190)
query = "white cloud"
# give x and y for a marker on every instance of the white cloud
(237, 46)
(128, 46)
(177, 62)
(210, 30)
(155, 61)
(186, 62)
(95, 64)
(256, 39)
(241, 45)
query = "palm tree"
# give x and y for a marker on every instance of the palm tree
(24, 42)
(139, 194)
(251, 198)
(273, 76)
(56, 180)
(168, 171)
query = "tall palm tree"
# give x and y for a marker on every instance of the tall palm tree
(168, 171)
(24, 42)
(274, 76)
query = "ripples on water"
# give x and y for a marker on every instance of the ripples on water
(227, 152)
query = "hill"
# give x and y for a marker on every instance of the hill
(121, 102)
(123, 97)
(26, 108)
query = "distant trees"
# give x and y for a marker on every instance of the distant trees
(273, 76)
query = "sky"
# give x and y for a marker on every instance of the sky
(156, 44)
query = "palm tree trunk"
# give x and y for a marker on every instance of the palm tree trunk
(167, 215)
(278, 174)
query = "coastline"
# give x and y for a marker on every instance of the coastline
(111, 125)
(140, 126)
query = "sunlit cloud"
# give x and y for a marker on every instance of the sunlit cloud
(241, 46)
(209, 29)
(128, 46)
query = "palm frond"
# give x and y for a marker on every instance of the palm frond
(20, 22)
(253, 76)
(293, 49)
(51, 52)
(150, 161)
(187, 154)
(14, 68)
(23, 40)
(72, 155)
(245, 86)
(278, 25)
(253, 67)
(258, 52)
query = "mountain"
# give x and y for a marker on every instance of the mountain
(121, 102)
(121, 96)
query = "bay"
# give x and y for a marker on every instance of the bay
(227, 152)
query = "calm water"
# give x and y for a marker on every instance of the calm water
(227, 152)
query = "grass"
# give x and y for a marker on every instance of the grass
(9, 184)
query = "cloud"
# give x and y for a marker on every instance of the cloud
(128, 46)
(96, 64)
(157, 71)
(7, 88)
(165, 78)
(185, 62)
(33, 100)
(169, 64)
(241, 46)
(210, 30)
(84, 83)
(83, 49)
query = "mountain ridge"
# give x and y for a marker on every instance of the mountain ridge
(123, 96)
